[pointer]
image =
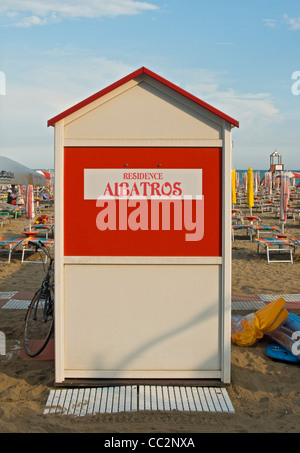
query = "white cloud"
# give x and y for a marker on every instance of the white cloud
(270, 22)
(31, 20)
(253, 110)
(250, 109)
(26, 13)
(293, 22)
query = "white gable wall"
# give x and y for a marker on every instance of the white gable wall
(144, 111)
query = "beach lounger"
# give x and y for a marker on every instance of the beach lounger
(43, 228)
(266, 207)
(293, 212)
(11, 210)
(258, 229)
(296, 242)
(236, 219)
(245, 228)
(26, 247)
(46, 199)
(3, 218)
(277, 246)
(291, 215)
(9, 245)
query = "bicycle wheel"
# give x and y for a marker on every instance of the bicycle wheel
(39, 322)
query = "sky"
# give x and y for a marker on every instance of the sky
(240, 56)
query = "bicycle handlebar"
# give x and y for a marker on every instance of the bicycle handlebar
(36, 244)
(39, 244)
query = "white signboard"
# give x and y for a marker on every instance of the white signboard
(142, 183)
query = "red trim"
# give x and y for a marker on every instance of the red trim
(131, 76)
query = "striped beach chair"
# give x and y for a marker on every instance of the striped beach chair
(9, 245)
(3, 218)
(258, 229)
(45, 228)
(276, 245)
(244, 228)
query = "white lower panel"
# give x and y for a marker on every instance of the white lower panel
(142, 321)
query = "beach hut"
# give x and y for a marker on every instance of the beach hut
(143, 235)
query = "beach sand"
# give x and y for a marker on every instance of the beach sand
(265, 393)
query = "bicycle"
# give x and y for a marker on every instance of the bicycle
(39, 319)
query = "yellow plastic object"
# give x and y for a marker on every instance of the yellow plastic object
(245, 331)
(271, 316)
(282, 316)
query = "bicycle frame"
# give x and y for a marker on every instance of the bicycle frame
(40, 311)
(44, 290)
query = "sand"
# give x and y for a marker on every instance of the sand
(265, 394)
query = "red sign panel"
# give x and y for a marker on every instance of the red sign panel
(142, 201)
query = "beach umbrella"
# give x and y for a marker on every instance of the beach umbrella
(268, 183)
(233, 189)
(20, 196)
(45, 173)
(293, 174)
(284, 198)
(245, 180)
(250, 196)
(29, 204)
(237, 179)
(12, 172)
(290, 174)
(255, 183)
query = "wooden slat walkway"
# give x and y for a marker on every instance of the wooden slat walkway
(91, 401)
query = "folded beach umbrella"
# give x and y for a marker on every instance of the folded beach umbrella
(268, 183)
(29, 204)
(255, 182)
(237, 179)
(233, 189)
(250, 196)
(245, 180)
(284, 198)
